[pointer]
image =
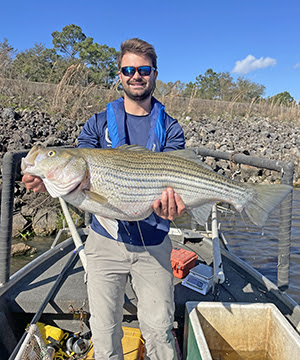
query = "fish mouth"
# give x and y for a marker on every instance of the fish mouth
(25, 165)
(29, 161)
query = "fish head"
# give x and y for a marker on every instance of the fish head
(62, 170)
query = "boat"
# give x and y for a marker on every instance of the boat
(51, 289)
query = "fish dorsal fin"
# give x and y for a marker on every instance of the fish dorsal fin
(110, 225)
(188, 154)
(95, 197)
(132, 148)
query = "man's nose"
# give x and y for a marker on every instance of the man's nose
(136, 75)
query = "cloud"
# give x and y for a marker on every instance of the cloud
(296, 66)
(250, 63)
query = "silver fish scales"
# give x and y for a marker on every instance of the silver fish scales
(123, 183)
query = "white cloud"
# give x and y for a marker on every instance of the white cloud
(250, 63)
(297, 65)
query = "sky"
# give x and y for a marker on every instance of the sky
(256, 39)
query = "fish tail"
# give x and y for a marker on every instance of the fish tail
(265, 200)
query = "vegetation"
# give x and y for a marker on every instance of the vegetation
(70, 47)
(78, 75)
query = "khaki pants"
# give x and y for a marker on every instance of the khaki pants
(109, 264)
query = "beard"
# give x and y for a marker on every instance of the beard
(141, 94)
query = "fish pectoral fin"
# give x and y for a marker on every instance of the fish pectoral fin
(95, 197)
(202, 212)
(110, 225)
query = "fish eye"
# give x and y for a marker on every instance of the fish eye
(51, 153)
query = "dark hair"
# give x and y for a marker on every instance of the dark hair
(138, 47)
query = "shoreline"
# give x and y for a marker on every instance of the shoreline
(256, 136)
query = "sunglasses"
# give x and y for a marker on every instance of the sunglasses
(142, 70)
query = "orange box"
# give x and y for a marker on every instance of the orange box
(182, 261)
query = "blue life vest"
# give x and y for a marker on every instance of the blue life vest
(115, 117)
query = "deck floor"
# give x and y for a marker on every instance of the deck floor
(25, 297)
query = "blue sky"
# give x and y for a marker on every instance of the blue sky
(257, 39)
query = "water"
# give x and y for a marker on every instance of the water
(42, 244)
(257, 247)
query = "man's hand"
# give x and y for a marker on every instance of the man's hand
(170, 206)
(34, 183)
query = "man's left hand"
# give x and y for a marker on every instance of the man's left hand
(170, 206)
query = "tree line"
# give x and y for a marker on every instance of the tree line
(98, 64)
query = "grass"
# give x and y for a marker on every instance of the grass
(77, 102)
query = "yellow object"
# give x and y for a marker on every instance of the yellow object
(90, 354)
(132, 342)
(50, 331)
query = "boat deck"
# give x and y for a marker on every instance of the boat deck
(28, 294)
(24, 296)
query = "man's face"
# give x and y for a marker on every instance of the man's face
(137, 87)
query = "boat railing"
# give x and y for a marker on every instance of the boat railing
(11, 168)
(286, 170)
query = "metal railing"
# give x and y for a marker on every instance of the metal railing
(286, 170)
(11, 162)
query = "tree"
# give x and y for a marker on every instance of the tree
(68, 41)
(213, 86)
(170, 88)
(191, 89)
(35, 64)
(284, 98)
(6, 53)
(227, 86)
(248, 90)
(101, 61)
(209, 85)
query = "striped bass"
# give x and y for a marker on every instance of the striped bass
(123, 183)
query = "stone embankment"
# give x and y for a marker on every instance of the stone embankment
(259, 137)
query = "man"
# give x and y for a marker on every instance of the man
(142, 250)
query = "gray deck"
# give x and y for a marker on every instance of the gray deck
(25, 297)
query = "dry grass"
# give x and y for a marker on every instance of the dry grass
(196, 107)
(71, 99)
(79, 102)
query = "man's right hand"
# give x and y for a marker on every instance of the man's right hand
(34, 183)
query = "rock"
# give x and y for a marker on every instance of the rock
(9, 114)
(254, 136)
(19, 249)
(31, 251)
(19, 223)
(45, 221)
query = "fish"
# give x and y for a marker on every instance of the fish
(122, 183)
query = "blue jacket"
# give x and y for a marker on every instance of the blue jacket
(108, 129)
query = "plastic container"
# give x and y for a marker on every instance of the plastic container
(215, 330)
(133, 344)
(182, 261)
(50, 332)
